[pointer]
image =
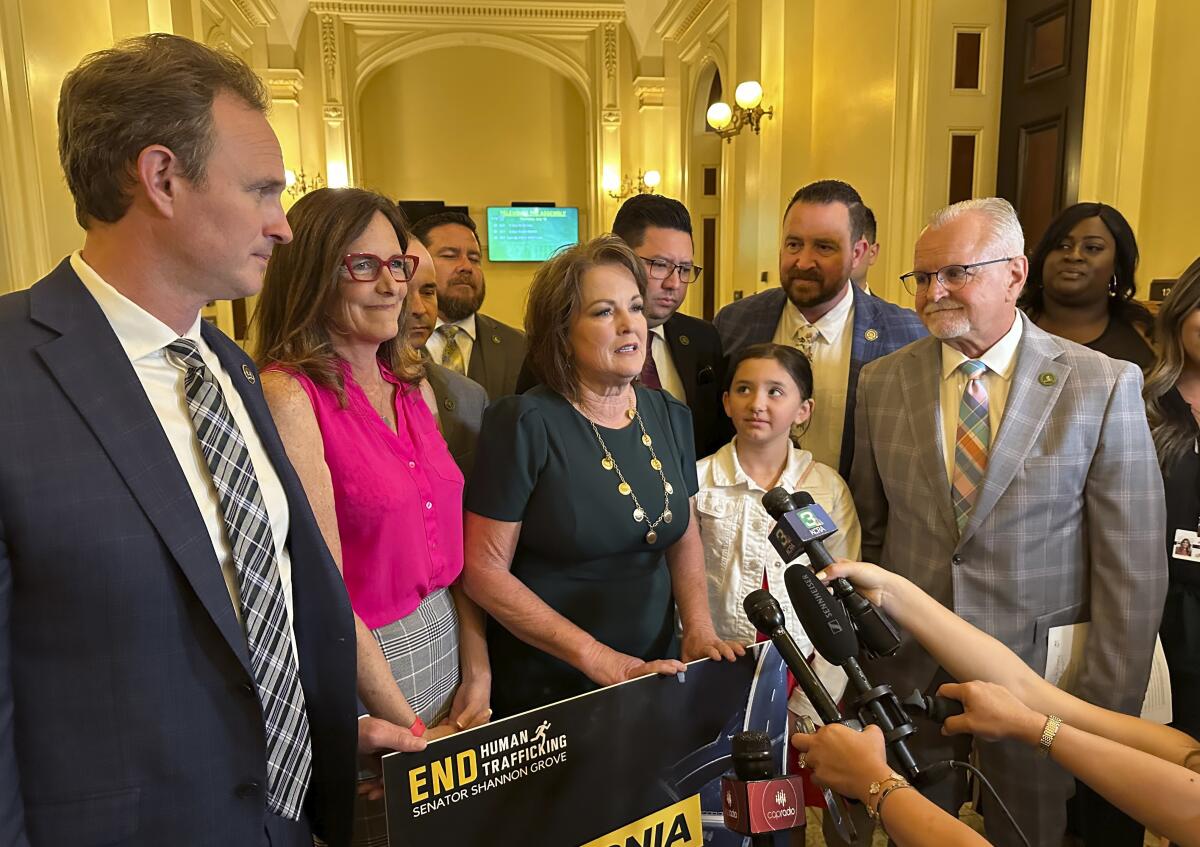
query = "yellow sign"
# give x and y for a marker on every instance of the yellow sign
(677, 825)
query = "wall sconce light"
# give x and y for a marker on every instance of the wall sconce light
(729, 121)
(619, 189)
(298, 184)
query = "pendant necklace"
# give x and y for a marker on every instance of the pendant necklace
(625, 489)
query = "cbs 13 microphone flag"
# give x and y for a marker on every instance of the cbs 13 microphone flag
(637, 764)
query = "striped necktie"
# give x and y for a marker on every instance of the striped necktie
(264, 612)
(971, 443)
(452, 356)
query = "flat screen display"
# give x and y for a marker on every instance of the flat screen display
(531, 233)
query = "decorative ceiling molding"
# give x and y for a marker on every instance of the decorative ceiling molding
(257, 12)
(283, 83)
(678, 18)
(586, 14)
(649, 91)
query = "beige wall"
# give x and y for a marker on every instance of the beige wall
(480, 127)
(1166, 228)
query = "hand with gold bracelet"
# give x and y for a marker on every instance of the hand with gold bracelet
(854, 765)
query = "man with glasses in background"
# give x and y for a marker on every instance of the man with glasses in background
(1011, 475)
(685, 357)
(817, 310)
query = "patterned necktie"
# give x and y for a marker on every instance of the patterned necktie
(452, 356)
(803, 340)
(649, 369)
(971, 442)
(264, 613)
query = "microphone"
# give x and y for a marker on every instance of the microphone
(755, 800)
(801, 527)
(832, 635)
(765, 613)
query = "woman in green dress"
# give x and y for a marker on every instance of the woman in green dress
(580, 541)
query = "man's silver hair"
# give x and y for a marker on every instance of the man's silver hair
(1004, 229)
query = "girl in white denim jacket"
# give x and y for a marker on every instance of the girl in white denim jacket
(769, 393)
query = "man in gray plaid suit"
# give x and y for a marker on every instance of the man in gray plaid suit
(1011, 475)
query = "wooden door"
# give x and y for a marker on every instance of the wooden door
(1041, 108)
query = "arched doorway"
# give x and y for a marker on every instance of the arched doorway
(704, 191)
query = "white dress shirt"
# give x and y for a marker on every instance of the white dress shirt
(436, 345)
(735, 528)
(668, 374)
(143, 338)
(1001, 359)
(831, 373)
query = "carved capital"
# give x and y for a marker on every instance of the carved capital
(283, 83)
(649, 91)
(334, 113)
(611, 117)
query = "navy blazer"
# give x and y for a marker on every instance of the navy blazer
(879, 328)
(128, 712)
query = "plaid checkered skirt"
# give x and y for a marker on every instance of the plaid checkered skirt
(422, 650)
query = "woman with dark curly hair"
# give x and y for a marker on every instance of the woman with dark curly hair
(1081, 284)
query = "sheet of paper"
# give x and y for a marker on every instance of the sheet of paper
(1064, 663)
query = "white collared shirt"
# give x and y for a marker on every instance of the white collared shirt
(735, 530)
(668, 374)
(436, 345)
(143, 337)
(831, 373)
(1000, 359)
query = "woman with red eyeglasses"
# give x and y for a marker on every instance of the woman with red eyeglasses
(346, 392)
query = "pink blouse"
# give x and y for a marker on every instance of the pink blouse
(398, 496)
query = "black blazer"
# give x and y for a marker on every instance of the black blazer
(696, 350)
(128, 712)
(497, 356)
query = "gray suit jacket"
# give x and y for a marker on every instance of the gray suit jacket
(496, 356)
(1067, 528)
(460, 402)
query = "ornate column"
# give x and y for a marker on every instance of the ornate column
(339, 168)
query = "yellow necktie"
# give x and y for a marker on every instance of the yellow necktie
(452, 356)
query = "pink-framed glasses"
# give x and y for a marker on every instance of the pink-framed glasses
(366, 267)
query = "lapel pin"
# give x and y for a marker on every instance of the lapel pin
(248, 374)
(495, 339)
(871, 335)
(684, 340)
(449, 404)
(1047, 379)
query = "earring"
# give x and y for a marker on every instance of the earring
(1112, 286)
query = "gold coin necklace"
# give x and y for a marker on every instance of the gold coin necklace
(625, 489)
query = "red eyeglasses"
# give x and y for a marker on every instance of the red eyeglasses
(366, 267)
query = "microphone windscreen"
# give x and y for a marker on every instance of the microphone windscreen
(777, 502)
(802, 499)
(751, 752)
(763, 610)
(823, 617)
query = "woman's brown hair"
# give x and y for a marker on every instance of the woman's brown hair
(1171, 424)
(299, 304)
(555, 298)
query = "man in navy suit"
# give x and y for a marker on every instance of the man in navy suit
(819, 311)
(177, 653)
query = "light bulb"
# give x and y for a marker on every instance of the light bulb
(289, 177)
(339, 176)
(652, 178)
(748, 94)
(610, 181)
(719, 115)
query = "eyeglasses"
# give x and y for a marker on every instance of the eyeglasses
(366, 267)
(952, 277)
(662, 269)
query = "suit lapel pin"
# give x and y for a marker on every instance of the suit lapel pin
(871, 335)
(684, 340)
(1047, 379)
(248, 374)
(449, 404)
(495, 339)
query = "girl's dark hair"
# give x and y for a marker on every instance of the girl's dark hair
(793, 361)
(1121, 306)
